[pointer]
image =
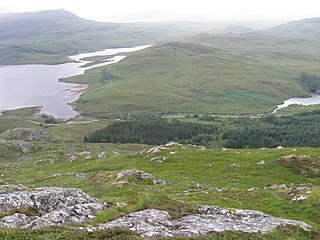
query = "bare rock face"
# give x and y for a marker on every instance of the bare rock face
(55, 206)
(154, 223)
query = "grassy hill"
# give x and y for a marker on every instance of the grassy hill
(284, 49)
(185, 77)
(50, 36)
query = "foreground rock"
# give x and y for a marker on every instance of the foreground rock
(155, 223)
(54, 206)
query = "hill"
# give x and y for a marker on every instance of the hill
(51, 36)
(185, 77)
(305, 28)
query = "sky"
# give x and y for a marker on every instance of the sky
(161, 10)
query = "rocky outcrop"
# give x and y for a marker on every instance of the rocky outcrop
(28, 134)
(16, 145)
(55, 206)
(139, 174)
(153, 223)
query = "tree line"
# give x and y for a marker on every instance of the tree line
(154, 132)
(300, 130)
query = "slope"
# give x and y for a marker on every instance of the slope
(184, 77)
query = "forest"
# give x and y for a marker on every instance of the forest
(154, 131)
(300, 130)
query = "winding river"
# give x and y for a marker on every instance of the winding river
(38, 85)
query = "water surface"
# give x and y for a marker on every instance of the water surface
(37, 85)
(313, 100)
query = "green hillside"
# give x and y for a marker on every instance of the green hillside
(183, 77)
(51, 36)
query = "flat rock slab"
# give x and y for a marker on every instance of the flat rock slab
(153, 223)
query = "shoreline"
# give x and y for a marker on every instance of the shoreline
(79, 90)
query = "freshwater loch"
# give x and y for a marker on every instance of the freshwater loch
(36, 85)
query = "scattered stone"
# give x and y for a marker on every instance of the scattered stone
(140, 174)
(159, 181)
(171, 144)
(56, 175)
(202, 148)
(121, 204)
(281, 186)
(153, 150)
(158, 159)
(24, 158)
(102, 155)
(172, 153)
(262, 162)
(299, 198)
(217, 189)
(279, 147)
(161, 147)
(234, 166)
(83, 153)
(81, 175)
(152, 223)
(199, 186)
(125, 173)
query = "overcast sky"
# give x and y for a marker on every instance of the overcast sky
(136, 10)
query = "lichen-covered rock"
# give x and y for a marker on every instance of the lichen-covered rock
(28, 134)
(154, 223)
(16, 145)
(140, 174)
(31, 134)
(55, 206)
(16, 220)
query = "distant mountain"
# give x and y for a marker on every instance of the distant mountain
(239, 29)
(306, 28)
(50, 36)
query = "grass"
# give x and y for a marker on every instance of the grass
(210, 168)
(235, 170)
(188, 77)
(179, 197)
(293, 109)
